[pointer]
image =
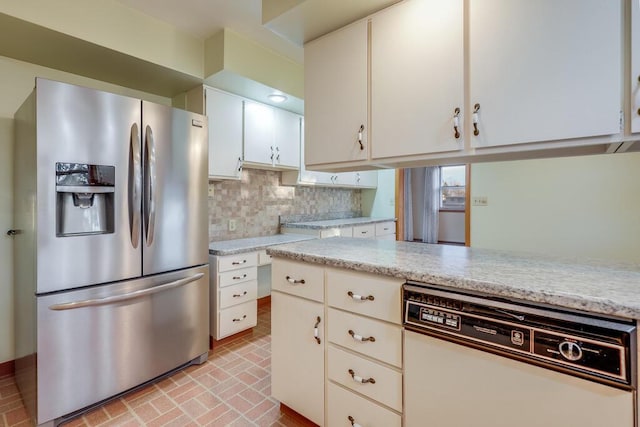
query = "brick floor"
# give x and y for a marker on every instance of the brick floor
(231, 389)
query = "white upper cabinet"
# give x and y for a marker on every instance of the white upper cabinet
(366, 179)
(544, 70)
(271, 136)
(635, 66)
(336, 104)
(417, 78)
(224, 114)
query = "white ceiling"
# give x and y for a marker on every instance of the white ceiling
(204, 18)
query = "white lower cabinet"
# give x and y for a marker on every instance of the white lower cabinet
(349, 409)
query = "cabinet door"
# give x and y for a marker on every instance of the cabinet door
(367, 179)
(335, 87)
(258, 133)
(417, 78)
(544, 70)
(286, 138)
(297, 358)
(635, 66)
(224, 114)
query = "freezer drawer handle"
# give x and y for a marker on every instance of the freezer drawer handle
(360, 338)
(353, 421)
(127, 296)
(361, 380)
(356, 297)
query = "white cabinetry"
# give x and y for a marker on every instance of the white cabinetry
(224, 115)
(417, 78)
(544, 70)
(271, 136)
(233, 293)
(336, 96)
(364, 354)
(635, 66)
(297, 338)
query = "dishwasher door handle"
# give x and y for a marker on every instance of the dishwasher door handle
(124, 297)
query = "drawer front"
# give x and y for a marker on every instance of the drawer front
(346, 232)
(382, 295)
(374, 338)
(387, 388)
(232, 262)
(264, 258)
(237, 276)
(298, 279)
(364, 231)
(385, 228)
(237, 318)
(330, 232)
(238, 294)
(343, 404)
(387, 237)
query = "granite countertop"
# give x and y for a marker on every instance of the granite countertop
(250, 244)
(593, 286)
(335, 223)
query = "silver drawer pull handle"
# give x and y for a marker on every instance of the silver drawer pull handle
(316, 330)
(353, 421)
(240, 320)
(360, 338)
(295, 281)
(239, 277)
(244, 261)
(240, 295)
(360, 297)
(360, 379)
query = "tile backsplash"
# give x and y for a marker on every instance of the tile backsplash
(257, 201)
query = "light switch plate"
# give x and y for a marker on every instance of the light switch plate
(480, 201)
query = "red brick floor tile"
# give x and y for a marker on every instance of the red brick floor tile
(193, 408)
(96, 416)
(115, 408)
(16, 416)
(146, 412)
(162, 404)
(260, 410)
(252, 395)
(213, 414)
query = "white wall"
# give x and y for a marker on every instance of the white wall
(579, 206)
(380, 203)
(16, 82)
(451, 227)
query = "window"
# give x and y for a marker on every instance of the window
(452, 187)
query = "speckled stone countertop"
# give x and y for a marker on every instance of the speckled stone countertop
(335, 223)
(250, 244)
(592, 286)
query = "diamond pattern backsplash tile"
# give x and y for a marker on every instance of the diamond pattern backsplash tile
(257, 201)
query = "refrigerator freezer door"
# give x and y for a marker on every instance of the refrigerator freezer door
(80, 126)
(97, 342)
(175, 158)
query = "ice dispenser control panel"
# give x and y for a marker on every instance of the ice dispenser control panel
(84, 199)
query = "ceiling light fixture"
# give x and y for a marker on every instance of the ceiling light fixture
(277, 97)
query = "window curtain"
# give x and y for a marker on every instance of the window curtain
(422, 204)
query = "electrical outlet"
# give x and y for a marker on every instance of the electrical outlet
(210, 191)
(480, 201)
(232, 225)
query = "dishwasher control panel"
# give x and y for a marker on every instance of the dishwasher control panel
(593, 348)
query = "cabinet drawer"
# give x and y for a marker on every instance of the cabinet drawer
(237, 318)
(238, 294)
(343, 404)
(382, 294)
(364, 231)
(387, 237)
(385, 228)
(264, 258)
(232, 262)
(346, 232)
(236, 276)
(299, 279)
(387, 338)
(387, 388)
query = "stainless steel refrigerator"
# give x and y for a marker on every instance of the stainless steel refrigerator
(110, 245)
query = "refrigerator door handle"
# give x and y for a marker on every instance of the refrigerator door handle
(124, 297)
(135, 185)
(150, 185)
